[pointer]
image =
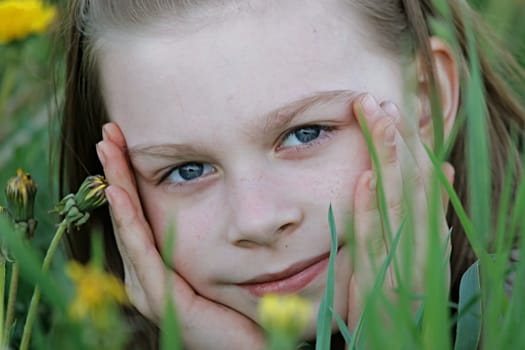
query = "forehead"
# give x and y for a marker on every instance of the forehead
(237, 68)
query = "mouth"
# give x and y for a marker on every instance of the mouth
(289, 281)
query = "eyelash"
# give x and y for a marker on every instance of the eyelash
(324, 131)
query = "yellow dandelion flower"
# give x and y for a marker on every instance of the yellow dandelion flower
(96, 291)
(21, 18)
(288, 314)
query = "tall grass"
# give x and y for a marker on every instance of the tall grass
(487, 316)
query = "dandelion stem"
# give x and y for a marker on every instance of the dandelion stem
(35, 299)
(2, 292)
(11, 301)
(5, 89)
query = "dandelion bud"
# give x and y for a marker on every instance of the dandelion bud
(76, 207)
(90, 195)
(20, 193)
(285, 316)
(4, 212)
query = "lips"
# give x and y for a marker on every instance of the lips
(288, 281)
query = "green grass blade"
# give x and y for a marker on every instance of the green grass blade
(503, 235)
(464, 219)
(169, 334)
(169, 328)
(325, 315)
(343, 329)
(478, 162)
(511, 335)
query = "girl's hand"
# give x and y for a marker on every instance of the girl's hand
(204, 323)
(406, 174)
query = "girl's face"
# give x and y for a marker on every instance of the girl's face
(241, 135)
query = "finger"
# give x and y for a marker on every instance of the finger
(370, 249)
(365, 105)
(113, 133)
(385, 138)
(117, 169)
(356, 303)
(144, 269)
(407, 182)
(415, 171)
(416, 166)
(410, 135)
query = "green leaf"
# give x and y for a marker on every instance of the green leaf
(169, 334)
(469, 322)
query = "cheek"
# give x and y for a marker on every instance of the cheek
(190, 227)
(340, 170)
(345, 169)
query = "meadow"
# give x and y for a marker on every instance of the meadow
(31, 80)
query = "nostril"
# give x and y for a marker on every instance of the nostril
(245, 244)
(284, 227)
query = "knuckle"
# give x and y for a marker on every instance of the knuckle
(370, 206)
(138, 298)
(417, 178)
(391, 158)
(375, 246)
(397, 208)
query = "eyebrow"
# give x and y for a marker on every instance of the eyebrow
(161, 151)
(284, 115)
(275, 119)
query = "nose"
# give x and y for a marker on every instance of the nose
(262, 211)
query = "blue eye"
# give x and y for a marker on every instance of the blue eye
(301, 136)
(188, 172)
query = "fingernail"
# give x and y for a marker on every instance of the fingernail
(101, 155)
(391, 109)
(372, 182)
(105, 132)
(369, 105)
(390, 135)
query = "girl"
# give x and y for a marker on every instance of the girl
(237, 122)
